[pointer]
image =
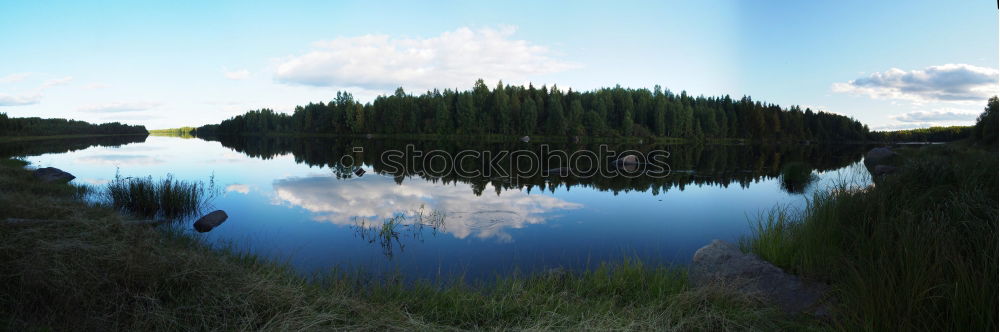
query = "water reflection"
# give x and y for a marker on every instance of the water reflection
(120, 160)
(238, 188)
(60, 145)
(342, 201)
(721, 165)
(390, 232)
(294, 199)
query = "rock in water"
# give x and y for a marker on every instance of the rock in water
(879, 162)
(879, 156)
(210, 221)
(52, 174)
(724, 263)
(627, 160)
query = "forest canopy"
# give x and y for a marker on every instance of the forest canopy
(549, 111)
(51, 127)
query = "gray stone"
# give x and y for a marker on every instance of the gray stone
(627, 160)
(879, 156)
(878, 162)
(723, 263)
(210, 221)
(52, 174)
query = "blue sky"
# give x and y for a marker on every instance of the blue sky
(890, 64)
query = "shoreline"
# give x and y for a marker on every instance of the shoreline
(95, 257)
(93, 261)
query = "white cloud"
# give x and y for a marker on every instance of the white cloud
(944, 115)
(15, 77)
(57, 82)
(119, 107)
(452, 59)
(96, 86)
(12, 100)
(241, 74)
(948, 83)
(125, 117)
(906, 125)
(239, 188)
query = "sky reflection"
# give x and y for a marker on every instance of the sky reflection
(343, 201)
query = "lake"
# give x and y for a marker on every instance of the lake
(325, 203)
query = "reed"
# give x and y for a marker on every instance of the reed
(167, 198)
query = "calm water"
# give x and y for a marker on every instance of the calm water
(295, 200)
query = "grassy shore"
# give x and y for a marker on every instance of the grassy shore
(915, 251)
(73, 265)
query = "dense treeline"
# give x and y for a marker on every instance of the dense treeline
(48, 127)
(182, 132)
(518, 110)
(985, 131)
(932, 134)
(60, 145)
(173, 131)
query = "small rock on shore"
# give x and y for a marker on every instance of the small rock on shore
(52, 174)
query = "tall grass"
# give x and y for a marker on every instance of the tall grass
(917, 251)
(164, 198)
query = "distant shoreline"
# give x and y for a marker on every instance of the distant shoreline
(9, 139)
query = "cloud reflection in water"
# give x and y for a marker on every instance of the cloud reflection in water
(344, 201)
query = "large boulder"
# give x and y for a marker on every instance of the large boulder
(210, 221)
(52, 174)
(879, 156)
(723, 263)
(880, 161)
